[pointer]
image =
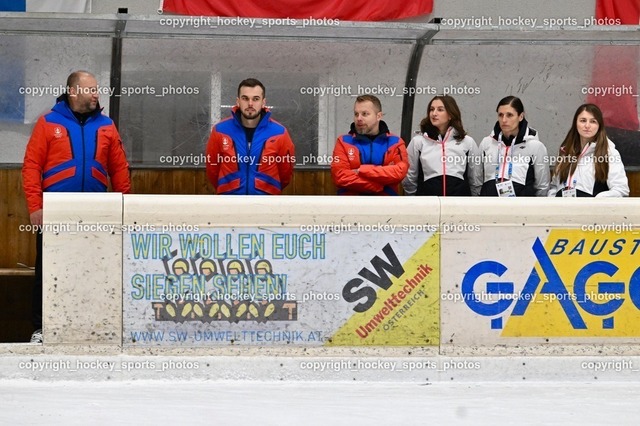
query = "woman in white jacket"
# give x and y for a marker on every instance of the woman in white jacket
(441, 157)
(589, 165)
(514, 161)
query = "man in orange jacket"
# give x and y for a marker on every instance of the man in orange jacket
(73, 148)
(369, 160)
(249, 153)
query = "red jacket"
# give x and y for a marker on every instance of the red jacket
(266, 169)
(63, 155)
(369, 167)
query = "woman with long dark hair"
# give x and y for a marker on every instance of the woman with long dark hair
(589, 165)
(514, 161)
(441, 157)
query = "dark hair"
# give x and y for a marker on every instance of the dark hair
(451, 106)
(571, 147)
(373, 99)
(252, 82)
(513, 102)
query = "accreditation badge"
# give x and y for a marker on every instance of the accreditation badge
(505, 189)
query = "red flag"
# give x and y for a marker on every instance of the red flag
(615, 68)
(627, 11)
(354, 10)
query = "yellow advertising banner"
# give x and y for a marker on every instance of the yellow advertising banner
(408, 312)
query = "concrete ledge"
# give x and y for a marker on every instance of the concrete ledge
(419, 370)
(542, 350)
(572, 350)
(335, 351)
(236, 210)
(10, 349)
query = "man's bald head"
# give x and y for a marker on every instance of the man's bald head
(82, 90)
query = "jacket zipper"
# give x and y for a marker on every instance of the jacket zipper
(248, 163)
(84, 165)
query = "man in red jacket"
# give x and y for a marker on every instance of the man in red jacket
(73, 148)
(250, 153)
(369, 160)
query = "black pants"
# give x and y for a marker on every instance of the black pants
(36, 317)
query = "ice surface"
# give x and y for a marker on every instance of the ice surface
(57, 389)
(312, 403)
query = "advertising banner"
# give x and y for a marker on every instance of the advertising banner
(348, 284)
(519, 285)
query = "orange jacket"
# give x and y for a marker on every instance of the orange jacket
(63, 155)
(369, 167)
(266, 169)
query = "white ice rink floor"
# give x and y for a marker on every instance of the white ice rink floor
(311, 403)
(85, 390)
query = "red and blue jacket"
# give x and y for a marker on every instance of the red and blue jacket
(362, 166)
(64, 155)
(265, 169)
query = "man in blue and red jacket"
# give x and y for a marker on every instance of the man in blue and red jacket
(369, 160)
(73, 148)
(250, 153)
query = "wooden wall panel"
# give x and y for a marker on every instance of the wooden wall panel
(5, 199)
(634, 184)
(311, 182)
(194, 181)
(17, 247)
(164, 181)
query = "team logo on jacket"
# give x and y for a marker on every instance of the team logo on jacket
(225, 144)
(351, 154)
(57, 132)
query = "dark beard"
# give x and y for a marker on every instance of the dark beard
(250, 117)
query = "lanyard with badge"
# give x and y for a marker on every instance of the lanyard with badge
(442, 141)
(570, 191)
(504, 187)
